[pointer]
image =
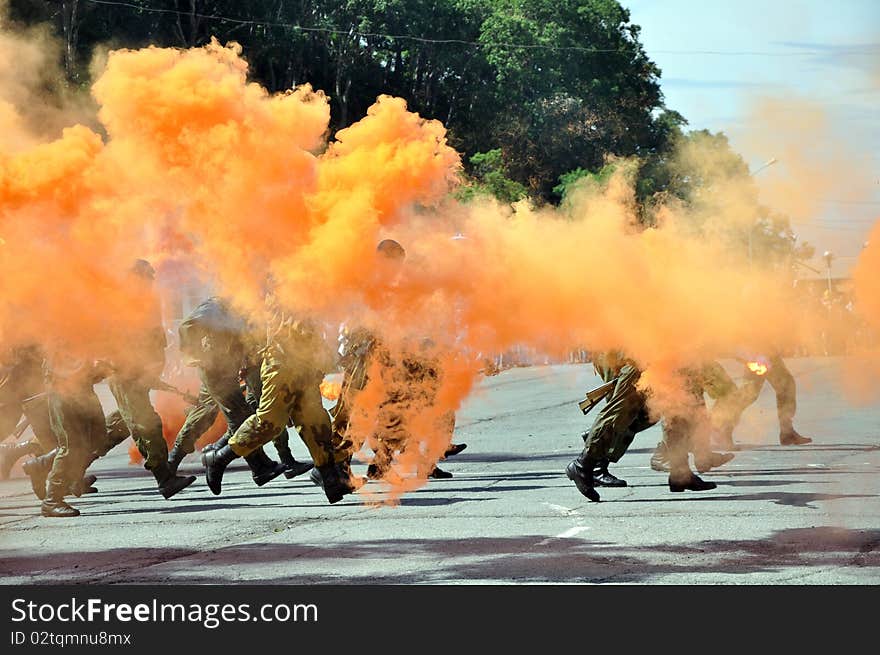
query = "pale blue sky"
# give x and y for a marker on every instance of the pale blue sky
(827, 51)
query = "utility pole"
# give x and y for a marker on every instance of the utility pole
(766, 164)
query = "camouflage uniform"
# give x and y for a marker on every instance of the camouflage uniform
(624, 415)
(22, 391)
(77, 420)
(215, 340)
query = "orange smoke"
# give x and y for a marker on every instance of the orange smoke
(198, 161)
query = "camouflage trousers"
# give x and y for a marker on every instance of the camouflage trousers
(220, 392)
(79, 426)
(22, 392)
(624, 416)
(144, 423)
(290, 391)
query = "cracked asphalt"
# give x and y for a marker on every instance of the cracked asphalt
(796, 515)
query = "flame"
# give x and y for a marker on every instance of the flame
(758, 368)
(331, 390)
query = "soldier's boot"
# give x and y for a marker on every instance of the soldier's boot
(217, 445)
(439, 474)
(175, 457)
(706, 461)
(264, 469)
(691, 482)
(454, 449)
(315, 477)
(84, 486)
(56, 508)
(169, 483)
(602, 478)
(790, 437)
(37, 469)
(216, 462)
(580, 471)
(354, 482)
(11, 453)
(660, 458)
(294, 468)
(335, 483)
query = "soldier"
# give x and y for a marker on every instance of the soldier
(214, 339)
(624, 415)
(135, 372)
(709, 379)
(729, 409)
(22, 392)
(293, 364)
(415, 375)
(78, 424)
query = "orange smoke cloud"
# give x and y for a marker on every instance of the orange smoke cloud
(202, 164)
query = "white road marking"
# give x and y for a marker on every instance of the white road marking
(567, 534)
(562, 510)
(571, 532)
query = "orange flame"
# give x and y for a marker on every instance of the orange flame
(331, 390)
(757, 368)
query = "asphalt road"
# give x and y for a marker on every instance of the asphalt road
(779, 515)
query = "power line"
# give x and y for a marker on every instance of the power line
(419, 39)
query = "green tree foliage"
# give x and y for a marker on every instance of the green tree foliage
(577, 87)
(489, 178)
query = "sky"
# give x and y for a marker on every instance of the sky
(828, 52)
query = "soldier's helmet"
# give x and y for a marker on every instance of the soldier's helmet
(391, 249)
(143, 268)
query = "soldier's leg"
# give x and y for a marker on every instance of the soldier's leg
(728, 408)
(611, 433)
(78, 423)
(199, 420)
(677, 432)
(783, 383)
(258, 429)
(145, 425)
(225, 390)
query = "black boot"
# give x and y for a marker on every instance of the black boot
(11, 453)
(315, 477)
(439, 474)
(57, 508)
(37, 469)
(689, 481)
(169, 483)
(602, 478)
(264, 469)
(293, 467)
(580, 471)
(711, 460)
(790, 437)
(335, 483)
(216, 462)
(175, 457)
(211, 447)
(454, 449)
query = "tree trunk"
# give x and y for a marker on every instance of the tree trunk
(70, 25)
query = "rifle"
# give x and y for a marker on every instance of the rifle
(161, 385)
(19, 430)
(595, 396)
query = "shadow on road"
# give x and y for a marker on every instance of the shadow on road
(528, 558)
